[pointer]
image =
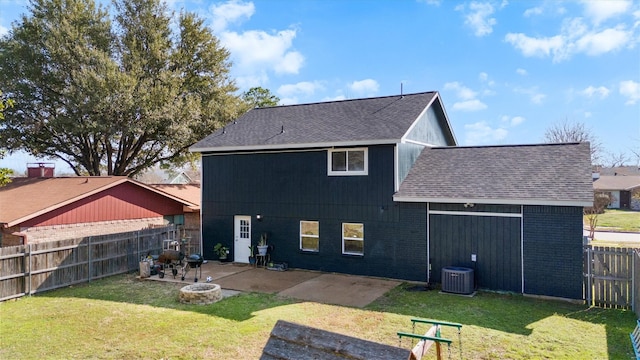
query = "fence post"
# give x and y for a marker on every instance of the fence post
(139, 258)
(89, 260)
(635, 281)
(28, 255)
(589, 284)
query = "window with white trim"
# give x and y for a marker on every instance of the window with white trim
(348, 162)
(310, 236)
(353, 239)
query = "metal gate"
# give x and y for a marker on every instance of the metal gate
(608, 276)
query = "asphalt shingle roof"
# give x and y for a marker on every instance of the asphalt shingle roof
(335, 123)
(619, 182)
(546, 174)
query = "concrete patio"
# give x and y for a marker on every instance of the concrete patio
(336, 289)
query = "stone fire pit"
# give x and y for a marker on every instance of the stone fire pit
(201, 294)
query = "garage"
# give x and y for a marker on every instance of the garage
(516, 210)
(486, 238)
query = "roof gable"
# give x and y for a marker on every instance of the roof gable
(369, 121)
(32, 197)
(547, 174)
(188, 192)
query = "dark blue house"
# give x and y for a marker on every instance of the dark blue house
(378, 187)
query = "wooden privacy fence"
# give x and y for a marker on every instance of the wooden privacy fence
(636, 282)
(31, 268)
(609, 277)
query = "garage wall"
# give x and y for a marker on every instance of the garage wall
(553, 251)
(491, 232)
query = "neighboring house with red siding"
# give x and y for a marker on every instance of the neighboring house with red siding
(191, 193)
(36, 209)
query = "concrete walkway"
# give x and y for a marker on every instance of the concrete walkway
(622, 237)
(337, 289)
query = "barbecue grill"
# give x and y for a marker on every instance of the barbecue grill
(194, 261)
(169, 260)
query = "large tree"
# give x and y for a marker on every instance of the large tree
(5, 173)
(115, 97)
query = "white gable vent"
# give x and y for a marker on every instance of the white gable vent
(457, 280)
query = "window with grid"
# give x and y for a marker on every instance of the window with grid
(348, 162)
(353, 239)
(310, 236)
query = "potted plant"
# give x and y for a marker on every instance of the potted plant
(221, 250)
(262, 245)
(252, 258)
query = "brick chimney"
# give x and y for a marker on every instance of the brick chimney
(40, 170)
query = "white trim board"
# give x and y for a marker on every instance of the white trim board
(474, 213)
(541, 202)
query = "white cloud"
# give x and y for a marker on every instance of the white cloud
(253, 50)
(596, 43)
(462, 91)
(513, 121)
(599, 11)
(233, 11)
(574, 37)
(304, 87)
(587, 114)
(468, 96)
(533, 11)
(601, 91)
(481, 133)
(479, 17)
(364, 87)
(484, 77)
(254, 53)
(537, 98)
(534, 95)
(3, 31)
(259, 78)
(522, 72)
(631, 90)
(431, 2)
(289, 101)
(469, 105)
(530, 46)
(335, 98)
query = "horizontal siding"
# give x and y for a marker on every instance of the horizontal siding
(123, 202)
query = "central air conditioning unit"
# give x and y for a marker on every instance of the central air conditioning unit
(457, 280)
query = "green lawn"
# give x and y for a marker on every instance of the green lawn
(123, 318)
(623, 220)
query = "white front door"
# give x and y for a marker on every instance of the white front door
(242, 239)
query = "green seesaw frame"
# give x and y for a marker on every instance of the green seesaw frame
(432, 336)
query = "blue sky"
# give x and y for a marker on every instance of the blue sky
(506, 70)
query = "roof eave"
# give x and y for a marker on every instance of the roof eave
(64, 203)
(550, 202)
(95, 191)
(295, 146)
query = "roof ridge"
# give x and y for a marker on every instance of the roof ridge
(346, 100)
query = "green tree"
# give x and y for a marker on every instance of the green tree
(258, 97)
(5, 173)
(115, 97)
